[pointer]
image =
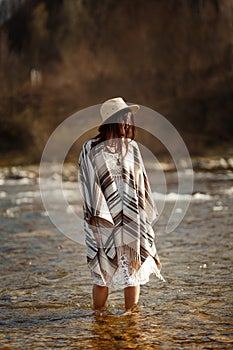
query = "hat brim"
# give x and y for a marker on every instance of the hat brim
(134, 108)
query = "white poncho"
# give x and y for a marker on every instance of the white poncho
(116, 225)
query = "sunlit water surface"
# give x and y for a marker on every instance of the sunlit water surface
(45, 285)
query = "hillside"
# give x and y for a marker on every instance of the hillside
(58, 57)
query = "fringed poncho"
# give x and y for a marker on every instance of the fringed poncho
(118, 227)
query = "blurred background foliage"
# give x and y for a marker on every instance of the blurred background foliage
(58, 57)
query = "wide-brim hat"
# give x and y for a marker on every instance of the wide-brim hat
(115, 105)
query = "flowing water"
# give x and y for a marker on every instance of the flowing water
(45, 285)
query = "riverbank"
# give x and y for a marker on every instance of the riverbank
(17, 171)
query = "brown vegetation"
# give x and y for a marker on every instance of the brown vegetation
(58, 57)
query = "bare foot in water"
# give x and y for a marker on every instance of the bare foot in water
(135, 309)
(100, 312)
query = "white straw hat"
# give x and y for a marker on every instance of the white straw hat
(114, 105)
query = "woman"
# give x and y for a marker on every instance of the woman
(118, 207)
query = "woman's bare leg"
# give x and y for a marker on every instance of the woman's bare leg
(131, 296)
(100, 295)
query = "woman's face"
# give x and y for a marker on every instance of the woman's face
(126, 122)
(127, 117)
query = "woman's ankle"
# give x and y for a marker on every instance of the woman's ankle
(131, 308)
(100, 295)
(131, 296)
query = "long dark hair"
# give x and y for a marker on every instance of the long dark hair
(121, 124)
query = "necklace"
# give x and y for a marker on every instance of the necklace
(118, 161)
(111, 149)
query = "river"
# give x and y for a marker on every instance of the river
(45, 285)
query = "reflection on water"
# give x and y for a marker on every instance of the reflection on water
(45, 285)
